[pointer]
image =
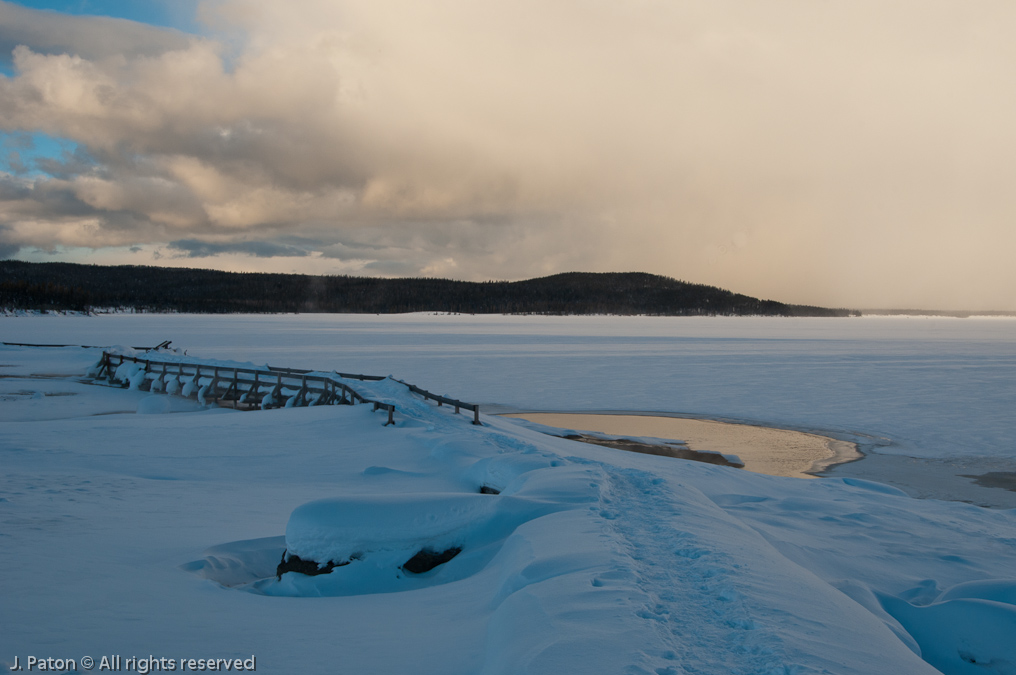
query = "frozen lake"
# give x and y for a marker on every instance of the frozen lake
(934, 398)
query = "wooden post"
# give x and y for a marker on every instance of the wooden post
(252, 393)
(476, 415)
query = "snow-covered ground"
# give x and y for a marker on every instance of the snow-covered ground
(140, 534)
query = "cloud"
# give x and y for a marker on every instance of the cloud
(90, 37)
(194, 248)
(11, 148)
(15, 162)
(855, 154)
(69, 164)
(8, 249)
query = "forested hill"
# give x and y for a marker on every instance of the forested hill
(67, 286)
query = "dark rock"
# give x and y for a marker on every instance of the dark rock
(426, 560)
(487, 490)
(294, 563)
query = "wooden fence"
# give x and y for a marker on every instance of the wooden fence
(250, 388)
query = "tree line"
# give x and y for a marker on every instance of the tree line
(70, 286)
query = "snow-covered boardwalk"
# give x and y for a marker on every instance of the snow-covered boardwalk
(244, 385)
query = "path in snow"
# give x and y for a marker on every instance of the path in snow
(691, 601)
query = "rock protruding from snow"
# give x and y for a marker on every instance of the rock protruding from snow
(294, 563)
(426, 560)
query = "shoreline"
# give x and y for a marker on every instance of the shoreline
(982, 481)
(760, 449)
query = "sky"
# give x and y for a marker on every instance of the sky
(850, 154)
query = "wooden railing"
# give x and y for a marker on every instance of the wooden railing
(253, 388)
(443, 399)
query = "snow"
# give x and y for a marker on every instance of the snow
(961, 636)
(159, 534)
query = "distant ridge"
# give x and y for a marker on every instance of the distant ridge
(69, 286)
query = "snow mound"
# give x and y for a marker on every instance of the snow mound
(130, 372)
(190, 385)
(172, 385)
(996, 590)
(962, 636)
(154, 405)
(338, 529)
(371, 538)
(501, 472)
